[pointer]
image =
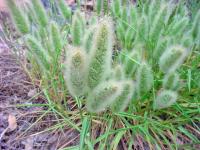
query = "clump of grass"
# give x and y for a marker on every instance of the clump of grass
(129, 86)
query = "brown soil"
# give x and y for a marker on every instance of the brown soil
(16, 89)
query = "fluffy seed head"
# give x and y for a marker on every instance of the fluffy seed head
(37, 50)
(103, 95)
(160, 47)
(88, 39)
(165, 99)
(56, 38)
(196, 29)
(116, 7)
(19, 19)
(118, 72)
(105, 6)
(158, 23)
(121, 102)
(65, 10)
(101, 54)
(171, 81)
(75, 72)
(172, 58)
(144, 78)
(77, 29)
(98, 6)
(40, 13)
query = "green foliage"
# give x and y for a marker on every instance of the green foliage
(157, 33)
(19, 19)
(150, 24)
(193, 6)
(131, 61)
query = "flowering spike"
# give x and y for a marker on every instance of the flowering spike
(116, 7)
(19, 19)
(144, 78)
(158, 23)
(170, 81)
(187, 41)
(133, 16)
(55, 37)
(101, 54)
(172, 58)
(154, 7)
(118, 72)
(124, 98)
(105, 6)
(38, 51)
(196, 28)
(75, 72)
(103, 95)
(179, 26)
(120, 33)
(40, 13)
(131, 62)
(142, 32)
(165, 99)
(88, 39)
(98, 6)
(129, 38)
(160, 47)
(77, 29)
(65, 10)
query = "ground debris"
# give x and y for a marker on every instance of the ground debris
(12, 122)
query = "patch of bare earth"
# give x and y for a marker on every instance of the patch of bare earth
(23, 125)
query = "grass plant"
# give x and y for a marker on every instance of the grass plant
(133, 75)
